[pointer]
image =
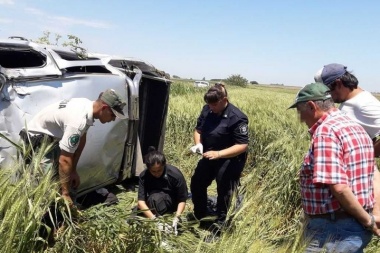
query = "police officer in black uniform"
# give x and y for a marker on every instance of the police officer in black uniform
(222, 130)
(162, 187)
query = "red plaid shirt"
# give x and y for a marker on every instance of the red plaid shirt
(341, 152)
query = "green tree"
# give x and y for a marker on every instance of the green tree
(237, 80)
(73, 42)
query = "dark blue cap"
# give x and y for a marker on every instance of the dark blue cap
(329, 73)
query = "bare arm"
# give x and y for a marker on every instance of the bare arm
(349, 202)
(65, 170)
(180, 208)
(79, 150)
(376, 190)
(197, 137)
(141, 204)
(232, 151)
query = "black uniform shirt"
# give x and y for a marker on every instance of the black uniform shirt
(171, 182)
(222, 131)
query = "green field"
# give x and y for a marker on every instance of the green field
(268, 220)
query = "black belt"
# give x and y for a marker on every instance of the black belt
(334, 216)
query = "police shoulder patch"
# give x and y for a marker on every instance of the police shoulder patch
(74, 140)
(243, 129)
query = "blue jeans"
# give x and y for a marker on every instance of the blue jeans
(345, 235)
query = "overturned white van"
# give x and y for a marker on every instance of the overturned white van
(33, 76)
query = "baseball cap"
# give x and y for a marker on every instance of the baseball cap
(329, 73)
(115, 102)
(312, 92)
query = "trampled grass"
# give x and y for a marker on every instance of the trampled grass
(267, 221)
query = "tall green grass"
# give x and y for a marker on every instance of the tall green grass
(268, 220)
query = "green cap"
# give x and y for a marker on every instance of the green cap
(312, 92)
(115, 102)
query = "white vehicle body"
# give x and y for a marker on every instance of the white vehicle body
(201, 84)
(33, 76)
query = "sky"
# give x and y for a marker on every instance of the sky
(271, 42)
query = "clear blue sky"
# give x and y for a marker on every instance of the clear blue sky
(268, 41)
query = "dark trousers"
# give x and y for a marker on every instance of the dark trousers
(160, 203)
(227, 174)
(35, 142)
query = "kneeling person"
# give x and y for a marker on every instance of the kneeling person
(162, 187)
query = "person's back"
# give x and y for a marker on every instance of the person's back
(66, 121)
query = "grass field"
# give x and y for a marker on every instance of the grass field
(268, 220)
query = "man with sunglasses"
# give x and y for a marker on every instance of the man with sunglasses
(357, 103)
(64, 125)
(221, 136)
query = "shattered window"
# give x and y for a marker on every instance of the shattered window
(72, 56)
(20, 57)
(87, 69)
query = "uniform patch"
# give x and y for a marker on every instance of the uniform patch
(74, 140)
(243, 129)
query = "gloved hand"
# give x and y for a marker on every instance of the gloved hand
(174, 225)
(197, 148)
(164, 227)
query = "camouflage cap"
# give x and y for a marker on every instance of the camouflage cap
(115, 102)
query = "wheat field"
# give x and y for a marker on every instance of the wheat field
(268, 220)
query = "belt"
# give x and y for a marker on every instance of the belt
(331, 216)
(334, 216)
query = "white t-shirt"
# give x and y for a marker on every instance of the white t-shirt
(365, 109)
(67, 120)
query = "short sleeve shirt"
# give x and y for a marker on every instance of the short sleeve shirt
(340, 152)
(365, 109)
(67, 121)
(224, 130)
(171, 182)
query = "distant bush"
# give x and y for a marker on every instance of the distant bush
(174, 76)
(237, 80)
(253, 82)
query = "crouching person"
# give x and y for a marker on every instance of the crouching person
(162, 188)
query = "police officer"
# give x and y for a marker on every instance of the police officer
(162, 188)
(221, 135)
(65, 124)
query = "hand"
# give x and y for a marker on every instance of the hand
(164, 227)
(175, 224)
(67, 199)
(376, 229)
(211, 155)
(198, 148)
(74, 179)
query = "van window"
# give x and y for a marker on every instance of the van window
(72, 56)
(20, 56)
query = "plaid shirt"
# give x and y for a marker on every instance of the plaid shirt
(341, 152)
